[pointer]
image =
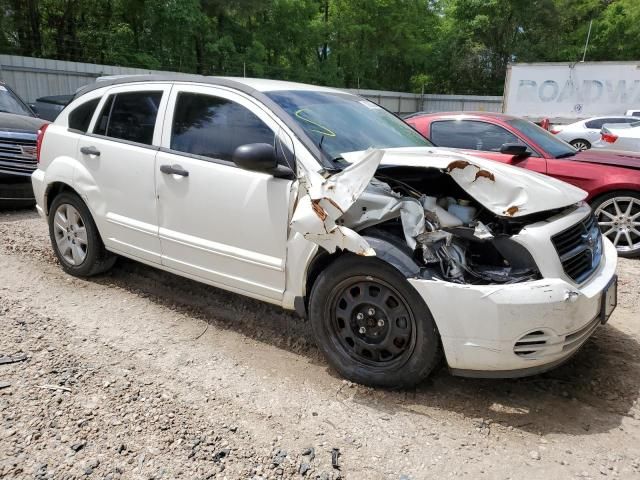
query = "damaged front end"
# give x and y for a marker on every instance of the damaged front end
(434, 216)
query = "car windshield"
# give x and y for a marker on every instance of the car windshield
(10, 103)
(339, 122)
(550, 143)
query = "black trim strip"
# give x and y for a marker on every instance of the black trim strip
(121, 140)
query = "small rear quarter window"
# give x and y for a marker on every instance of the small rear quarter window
(80, 117)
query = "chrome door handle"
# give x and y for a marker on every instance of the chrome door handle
(90, 151)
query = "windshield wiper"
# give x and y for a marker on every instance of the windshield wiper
(566, 154)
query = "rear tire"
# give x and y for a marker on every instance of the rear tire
(618, 214)
(75, 238)
(580, 144)
(372, 325)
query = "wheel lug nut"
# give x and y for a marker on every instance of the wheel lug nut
(381, 323)
(371, 312)
(359, 316)
(362, 330)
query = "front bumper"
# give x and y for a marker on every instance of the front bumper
(484, 327)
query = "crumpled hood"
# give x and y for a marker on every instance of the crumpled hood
(608, 157)
(503, 189)
(20, 123)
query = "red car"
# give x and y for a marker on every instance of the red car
(611, 178)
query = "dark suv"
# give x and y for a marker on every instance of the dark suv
(18, 131)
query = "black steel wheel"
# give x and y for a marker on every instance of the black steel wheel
(372, 325)
(371, 321)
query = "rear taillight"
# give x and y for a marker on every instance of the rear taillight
(39, 139)
(609, 137)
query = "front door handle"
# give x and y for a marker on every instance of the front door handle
(90, 151)
(174, 170)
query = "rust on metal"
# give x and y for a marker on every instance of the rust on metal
(462, 164)
(319, 211)
(511, 211)
(484, 174)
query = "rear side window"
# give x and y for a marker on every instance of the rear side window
(597, 124)
(214, 127)
(471, 135)
(129, 116)
(80, 117)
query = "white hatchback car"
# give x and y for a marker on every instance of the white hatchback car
(321, 201)
(583, 134)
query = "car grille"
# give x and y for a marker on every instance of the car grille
(17, 153)
(580, 248)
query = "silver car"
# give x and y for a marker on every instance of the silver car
(581, 135)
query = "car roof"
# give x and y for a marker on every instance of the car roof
(492, 115)
(248, 85)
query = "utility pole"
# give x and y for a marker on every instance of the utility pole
(586, 45)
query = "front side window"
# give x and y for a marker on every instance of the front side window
(130, 116)
(80, 117)
(471, 135)
(214, 127)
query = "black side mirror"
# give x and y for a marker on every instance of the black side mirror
(260, 157)
(515, 149)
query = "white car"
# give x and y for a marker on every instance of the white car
(633, 113)
(320, 201)
(620, 137)
(583, 134)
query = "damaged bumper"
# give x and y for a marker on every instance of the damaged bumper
(518, 329)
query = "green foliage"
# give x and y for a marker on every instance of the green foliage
(435, 46)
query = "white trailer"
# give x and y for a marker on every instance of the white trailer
(565, 92)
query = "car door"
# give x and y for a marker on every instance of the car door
(218, 222)
(483, 138)
(118, 174)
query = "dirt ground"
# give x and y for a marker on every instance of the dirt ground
(143, 374)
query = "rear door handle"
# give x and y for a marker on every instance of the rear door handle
(90, 151)
(174, 170)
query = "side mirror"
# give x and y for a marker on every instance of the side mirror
(515, 149)
(260, 157)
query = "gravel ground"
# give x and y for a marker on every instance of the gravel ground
(142, 374)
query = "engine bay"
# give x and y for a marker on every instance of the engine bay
(447, 233)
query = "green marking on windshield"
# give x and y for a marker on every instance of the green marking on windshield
(323, 130)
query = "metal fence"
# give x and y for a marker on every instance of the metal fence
(33, 78)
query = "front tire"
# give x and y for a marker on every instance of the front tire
(372, 325)
(580, 144)
(618, 214)
(75, 238)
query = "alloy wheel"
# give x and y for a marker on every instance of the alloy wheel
(70, 234)
(619, 220)
(580, 146)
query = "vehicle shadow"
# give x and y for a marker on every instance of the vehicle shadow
(592, 393)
